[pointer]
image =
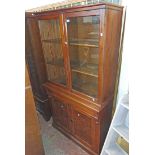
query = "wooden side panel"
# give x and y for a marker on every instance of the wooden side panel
(30, 61)
(36, 50)
(105, 123)
(96, 135)
(111, 51)
(35, 62)
(33, 142)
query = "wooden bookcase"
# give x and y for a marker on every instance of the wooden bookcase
(79, 47)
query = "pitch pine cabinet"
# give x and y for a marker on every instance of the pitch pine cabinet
(79, 47)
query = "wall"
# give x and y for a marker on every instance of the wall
(36, 3)
(124, 76)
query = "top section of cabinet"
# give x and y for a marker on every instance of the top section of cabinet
(80, 48)
(76, 55)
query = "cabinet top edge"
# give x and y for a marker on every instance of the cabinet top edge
(103, 5)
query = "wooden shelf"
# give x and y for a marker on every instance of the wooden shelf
(59, 81)
(56, 63)
(87, 71)
(57, 40)
(85, 45)
(83, 72)
(86, 88)
(84, 42)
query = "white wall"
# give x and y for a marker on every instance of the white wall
(29, 4)
(124, 76)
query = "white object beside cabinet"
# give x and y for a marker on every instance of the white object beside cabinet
(119, 128)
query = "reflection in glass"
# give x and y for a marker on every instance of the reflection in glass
(52, 49)
(83, 37)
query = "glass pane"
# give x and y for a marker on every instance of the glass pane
(83, 37)
(52, 49)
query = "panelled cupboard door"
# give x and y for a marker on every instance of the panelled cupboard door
(84, 50)
(51, 39)
(82, 127)
(60, 113)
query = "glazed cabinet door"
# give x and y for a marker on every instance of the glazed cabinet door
(51, 39)
(82, 127)
(83, 37)
(60, 113)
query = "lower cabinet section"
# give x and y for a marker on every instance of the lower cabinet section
(77, 125)
(82, 127)
(60, 114)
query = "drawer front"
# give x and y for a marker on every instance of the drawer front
(60, 113)
(82, 127)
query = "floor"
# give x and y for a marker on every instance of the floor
(55, 143)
